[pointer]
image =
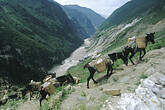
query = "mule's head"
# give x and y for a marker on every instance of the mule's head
(150, 37)
(86, 65)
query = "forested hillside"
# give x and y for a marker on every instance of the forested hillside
(34, 36)
(36, 32)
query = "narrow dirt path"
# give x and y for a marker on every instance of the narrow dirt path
(32, 104)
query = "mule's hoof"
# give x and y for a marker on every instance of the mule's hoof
(87, 87)
(95, 82)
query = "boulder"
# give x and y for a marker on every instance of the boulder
(114, 92)
(150, 95)
(161, 93)
(149, 71)
(58, 96)
(160, 78)
(69, 87)
(76, 79)
(4, 99)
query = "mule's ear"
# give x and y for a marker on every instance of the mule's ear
(153, 33)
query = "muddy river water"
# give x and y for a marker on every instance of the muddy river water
(74, 58)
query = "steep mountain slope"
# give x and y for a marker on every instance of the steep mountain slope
(135, 18)
(80, 19)
(84, 29)
(84, 32)
(96, 19)
(36, 32)
(130, 11)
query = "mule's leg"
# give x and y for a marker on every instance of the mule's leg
(132, 54)
(41, 101)
(88, 81)
(94, 80)
(144, 52)
(38, 94)
(30, 95)
(91, 76)
(108, 69)
(140, 58)
(111, 70)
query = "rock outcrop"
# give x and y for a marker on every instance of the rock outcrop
(150, 95)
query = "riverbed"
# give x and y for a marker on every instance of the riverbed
(75, 57)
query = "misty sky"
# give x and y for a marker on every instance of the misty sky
(103, 7)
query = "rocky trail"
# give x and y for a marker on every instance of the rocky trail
(29, 105)
(125, 79)
(126, 82)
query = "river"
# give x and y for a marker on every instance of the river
(74, 58)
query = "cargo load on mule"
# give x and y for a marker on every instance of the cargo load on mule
(66, 79)
(99, 64)
(140, 42)
(47, 78)
(48, 84)
(49, 87)
(132, 39)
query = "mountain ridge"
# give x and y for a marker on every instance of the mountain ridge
(129, 11)
(96, 19)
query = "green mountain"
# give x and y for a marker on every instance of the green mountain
(95, 18)
(36, 32)
(82, 28)
(81, 19)
(130, 11)
(135, 18)
(81, 22)
(84, 33)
